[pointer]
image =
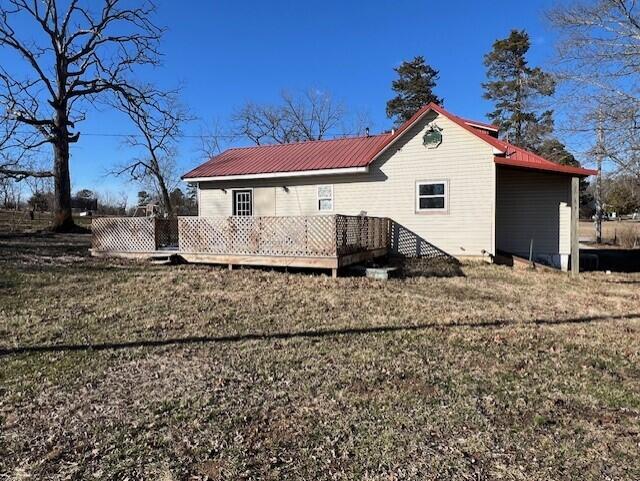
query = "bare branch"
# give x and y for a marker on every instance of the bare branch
(599, 64)
(86, 54)
(158, 118)
(19, 174)
(311, 116)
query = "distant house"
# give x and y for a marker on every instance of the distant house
(448, 184)
(84, 204)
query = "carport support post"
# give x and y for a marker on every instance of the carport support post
(575, 213)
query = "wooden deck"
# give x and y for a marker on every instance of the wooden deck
(326, 242)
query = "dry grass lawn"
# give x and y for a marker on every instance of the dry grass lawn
(117, 370)
(618, 233)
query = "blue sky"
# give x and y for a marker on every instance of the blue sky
(225, 53)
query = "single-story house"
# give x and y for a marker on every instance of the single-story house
(448, 185)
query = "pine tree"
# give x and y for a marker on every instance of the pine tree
(414, 86)
(516, 88)
(192, 199)
(554, 150)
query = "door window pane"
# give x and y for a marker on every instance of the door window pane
(242, 202)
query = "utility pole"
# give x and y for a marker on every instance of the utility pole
(599, 159)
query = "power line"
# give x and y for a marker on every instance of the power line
(186, 136)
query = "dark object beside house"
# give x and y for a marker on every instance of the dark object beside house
(84, 204)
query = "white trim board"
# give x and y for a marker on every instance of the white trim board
(272, 175)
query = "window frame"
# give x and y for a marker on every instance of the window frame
(445, 196)
(318, 198)
(233, 201)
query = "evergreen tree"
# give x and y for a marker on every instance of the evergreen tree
(554, 150)
(85, 194)
(414, 86)
(516, 88)
(192, 199)
(40, 201)
(178, 200)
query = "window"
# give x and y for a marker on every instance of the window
(325, 197)
(243, 202)
(431, 196)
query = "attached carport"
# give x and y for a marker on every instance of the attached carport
(537, 209)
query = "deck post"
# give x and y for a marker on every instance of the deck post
(230, 267)
(575, 213)
(334, 273)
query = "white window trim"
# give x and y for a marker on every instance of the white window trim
(444, 209)
(233, 200)
(318, 198)
(198, 199)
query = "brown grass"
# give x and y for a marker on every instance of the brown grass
(111, 370)
(615, 233)
(628, 237)
(17, 221)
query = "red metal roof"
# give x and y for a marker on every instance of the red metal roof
(482, 125)
(517, 157)
(295, 157)
(514, 156)
(356, 152)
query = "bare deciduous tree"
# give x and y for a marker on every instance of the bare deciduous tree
(263, 124)
(79, 54)
(212, 139)
(314, 114)
(18, 152)
(599, 52)
(10, 193)
(159, 119)
(310, 116)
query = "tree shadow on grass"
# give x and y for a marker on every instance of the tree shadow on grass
(414, 256)
(43, 245)
(496, 324)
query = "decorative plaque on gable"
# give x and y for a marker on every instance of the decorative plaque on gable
(432, 137)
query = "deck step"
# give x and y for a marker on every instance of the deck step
(380, 273)
(160, 262)
(161, 259)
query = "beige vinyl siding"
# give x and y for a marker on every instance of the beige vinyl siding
(389, 190)
(264, 202)
(533, 206)
(214, 202)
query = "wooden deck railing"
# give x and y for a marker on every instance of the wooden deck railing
(306, 236)
(361, 233)
(294, 236)
(265, 236)
(133, 234)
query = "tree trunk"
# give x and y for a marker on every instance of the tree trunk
(62, 218)
(166, 198)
